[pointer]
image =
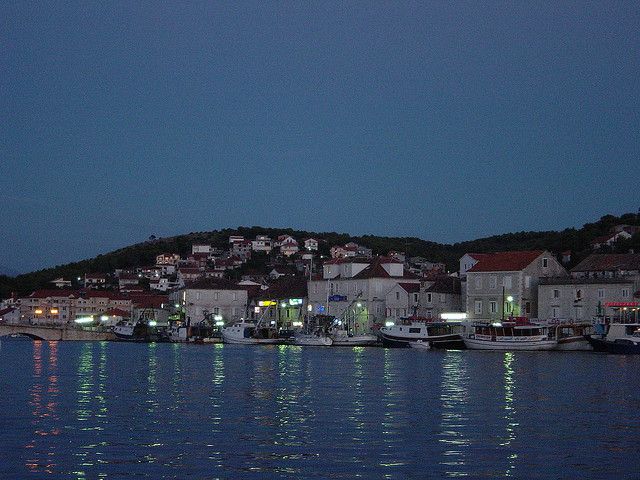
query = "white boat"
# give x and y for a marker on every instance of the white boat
(420, 345)
(572, 336)
(250, 334)
(342, 338)
(437, 334)
(509, 336)
(177, 334)
(317, 338)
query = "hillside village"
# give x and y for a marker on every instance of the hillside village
(287, 279)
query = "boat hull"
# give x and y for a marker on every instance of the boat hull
(479, 344)
(452, 341)
(312, 341)
(600, 345)
(420, 345)
(354, 341)
(250, 341)
(578, 343)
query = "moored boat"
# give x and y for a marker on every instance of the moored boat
(316, 338)
(622, 338)
(342, 338)
(572, 336)
(509, 336)
(436, 334)
(250, 334)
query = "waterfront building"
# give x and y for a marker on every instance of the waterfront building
(284, 301)
(95, 280)
(215, 300)
(358, 283)
(506, 283)
(201, 248)
(402, 300)
(439, 295)
(584, 298)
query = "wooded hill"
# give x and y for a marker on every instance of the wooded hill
(141, 254)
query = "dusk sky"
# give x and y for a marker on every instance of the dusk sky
(447, 120)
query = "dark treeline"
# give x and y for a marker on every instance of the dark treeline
(141, 254)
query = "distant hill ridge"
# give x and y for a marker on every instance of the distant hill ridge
(144, 253)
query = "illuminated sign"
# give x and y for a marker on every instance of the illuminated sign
(338, 298)
(267, 303)
(622, 304)
(295, 301)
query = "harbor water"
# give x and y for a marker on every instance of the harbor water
(117, 410)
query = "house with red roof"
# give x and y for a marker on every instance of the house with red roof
(504, 284)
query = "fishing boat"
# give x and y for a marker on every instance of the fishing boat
(412, 329)
(509, 336)
(616, 338)
(316, 338)
(344, 338)
(250, 334)
(350, 330)
(572, 336)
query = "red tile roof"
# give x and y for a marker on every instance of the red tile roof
(505, 261)
(605, 262)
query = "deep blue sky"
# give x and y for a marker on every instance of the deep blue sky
(444, 120)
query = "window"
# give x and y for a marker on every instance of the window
(625, 292)
(429, 297)
(527, 307)
(414, 330)
(555, 312)
(556, 293)
(397, 295)
(493, 281)
(443, 297)
(601, 293)
(216, 310)
(315, 288)
(415, 298)
(478, 283)
(506, 281)
(493, 307)
(478, 307)
(579, 312)
(198, 295)
(578, 294)
(545, 262)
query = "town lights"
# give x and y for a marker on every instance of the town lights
(54, 311)
(152, 323)
(359, 305)
(38, 311)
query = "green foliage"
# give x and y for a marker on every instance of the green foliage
(576, 240)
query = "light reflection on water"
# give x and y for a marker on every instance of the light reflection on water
(108, 410)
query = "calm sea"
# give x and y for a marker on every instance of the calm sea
(117, 410)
